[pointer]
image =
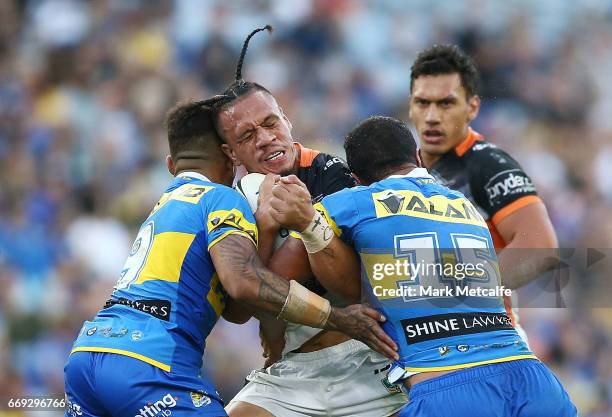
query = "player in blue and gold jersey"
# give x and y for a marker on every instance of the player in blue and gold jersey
(428, 263)
(141, 355)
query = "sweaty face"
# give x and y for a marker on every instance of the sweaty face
(441, 112)
(258, 135)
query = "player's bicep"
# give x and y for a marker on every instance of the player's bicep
(529, 225)
(234, 257)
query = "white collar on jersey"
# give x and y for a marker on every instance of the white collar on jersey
(192, 174)
(415, 173)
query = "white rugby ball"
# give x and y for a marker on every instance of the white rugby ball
(248, 186)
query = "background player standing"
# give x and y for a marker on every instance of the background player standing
(444, 101)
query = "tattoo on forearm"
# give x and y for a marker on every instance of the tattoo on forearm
(239, 256)
(273, 289)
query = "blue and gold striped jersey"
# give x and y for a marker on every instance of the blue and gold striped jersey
(429, 265)
(168, 297)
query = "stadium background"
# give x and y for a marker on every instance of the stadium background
(84, 87)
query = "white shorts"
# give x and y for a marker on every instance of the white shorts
(342, 380)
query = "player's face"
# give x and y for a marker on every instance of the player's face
(441, 112)
(258, 135)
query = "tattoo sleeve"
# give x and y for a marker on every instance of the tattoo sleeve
(244, 276)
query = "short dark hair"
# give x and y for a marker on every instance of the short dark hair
(446, 59)
(190, 130)
(377, 146)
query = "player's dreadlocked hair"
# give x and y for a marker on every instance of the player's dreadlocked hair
(239, 86)
(446, 59)
(192, 125)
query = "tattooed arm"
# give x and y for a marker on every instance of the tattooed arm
(337, 266)
(246, 280)
(244, 277)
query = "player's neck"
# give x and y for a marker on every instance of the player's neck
(429, 159)
(298, 156)
(201, 168)
(404, 169)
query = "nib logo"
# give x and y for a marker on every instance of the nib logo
(158, 408)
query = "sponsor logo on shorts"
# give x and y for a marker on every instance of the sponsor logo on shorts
(463, 348)
(508, 183)
(421, 329)
(158, 408)
(108, 332)
(199, 399)
(392, 388)
(443, 350)
(72, 409)
(92, 331)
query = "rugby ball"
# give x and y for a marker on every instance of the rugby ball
(248, 186)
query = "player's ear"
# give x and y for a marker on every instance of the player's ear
(359, 182)
(474, 107)
(229, 152)
(170, 164)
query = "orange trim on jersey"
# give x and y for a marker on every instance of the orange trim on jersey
(307, 155)
(468, 142)
(498, 241)
(514, 206)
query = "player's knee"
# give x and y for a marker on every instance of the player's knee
(244, 409)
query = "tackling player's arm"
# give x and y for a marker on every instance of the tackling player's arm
(267, 226)
(291, 259)
(506, 192)
(246, 280)
(335, 264)
(527, 228)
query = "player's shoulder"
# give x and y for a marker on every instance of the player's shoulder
(344, 195)
(486, 152)
(485, 160)
(324, 162)
(317, 160)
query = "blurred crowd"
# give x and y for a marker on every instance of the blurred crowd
(84, 88)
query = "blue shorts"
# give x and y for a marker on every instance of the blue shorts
(522, 388)
(106, 384)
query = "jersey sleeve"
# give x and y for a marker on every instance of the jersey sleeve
(229, 213)
(499, 184)
(335, 175)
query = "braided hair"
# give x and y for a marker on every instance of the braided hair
(193, 125)
(239, 86)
